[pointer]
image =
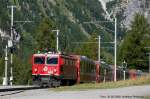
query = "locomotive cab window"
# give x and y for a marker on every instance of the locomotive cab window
(52, 60)
(39, 60)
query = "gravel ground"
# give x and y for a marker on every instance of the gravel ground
(136, 92)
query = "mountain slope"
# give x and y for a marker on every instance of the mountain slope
(69, 16)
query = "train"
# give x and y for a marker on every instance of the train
(55, 69)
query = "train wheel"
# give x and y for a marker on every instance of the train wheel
(49, 84)
(58, 83)
(55, 83)
(41, 85)
(71, 82)
(63, 82)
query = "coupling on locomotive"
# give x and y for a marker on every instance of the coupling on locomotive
(55, 69)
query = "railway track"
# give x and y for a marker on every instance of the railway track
(18, 88)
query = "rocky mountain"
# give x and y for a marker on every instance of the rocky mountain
(76, 19)
(134, 6)
(70, 16)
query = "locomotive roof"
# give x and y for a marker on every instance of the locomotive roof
(39, 54)
(84, 58)
(54, 54)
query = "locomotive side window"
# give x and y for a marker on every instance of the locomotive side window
(52, 60)
(39, 60)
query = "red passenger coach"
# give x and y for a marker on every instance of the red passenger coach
(52, 69)
(88, 70)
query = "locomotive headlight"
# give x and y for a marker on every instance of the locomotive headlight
(35, 69)
(55, 70)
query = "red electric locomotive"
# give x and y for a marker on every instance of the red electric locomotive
(53, 69)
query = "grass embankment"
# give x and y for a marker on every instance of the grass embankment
(107, 85)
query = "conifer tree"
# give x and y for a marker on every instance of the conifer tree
(44, 36)
(133, 47)
(89, 48)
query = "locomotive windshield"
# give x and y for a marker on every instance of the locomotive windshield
(39, 60)
(52, 60)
